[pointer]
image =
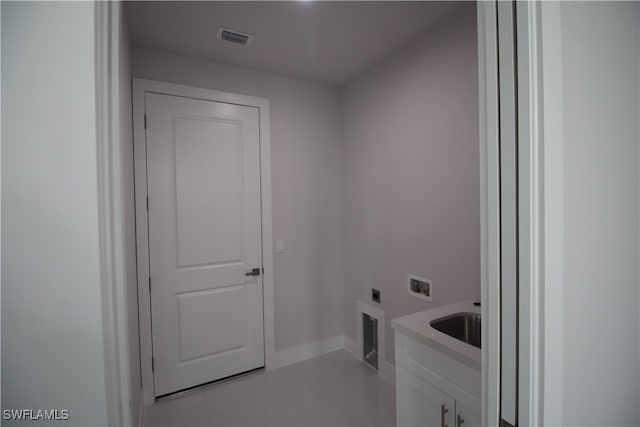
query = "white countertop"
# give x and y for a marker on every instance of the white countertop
(418, 326)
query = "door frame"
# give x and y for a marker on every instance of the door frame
(490, 264)
(140, 87)
(541, 200)
(540, 211)
(115, 320)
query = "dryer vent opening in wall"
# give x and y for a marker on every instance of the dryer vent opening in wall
(370, 340)
(234, 36)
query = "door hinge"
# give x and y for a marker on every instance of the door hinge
(149, 284)
(153, 365)
(145, 122)
(147, 203)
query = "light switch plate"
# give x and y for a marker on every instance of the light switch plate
(279, 246)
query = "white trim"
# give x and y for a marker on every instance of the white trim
(529, 374)
(318, 348)
(104, 145)
(351, 346)
(529, 385)
(0, 204)
(540, 209)
(508, 211)
(111, 229)
(542, 213)
(122, 312)
(142, 245)
(489, 210)
(267, 232)
(140, 86)
(140, 421)
(388, 372)
(385, 369)
(306, 351)
(553, 255)
(364, 308)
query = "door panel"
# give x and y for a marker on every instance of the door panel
(204, 235)
(467, 416)
(212, 307)
(208, 185)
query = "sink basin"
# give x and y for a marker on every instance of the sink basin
(461, 326)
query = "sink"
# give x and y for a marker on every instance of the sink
(461, 326)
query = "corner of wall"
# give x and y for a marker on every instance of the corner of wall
(390, 188)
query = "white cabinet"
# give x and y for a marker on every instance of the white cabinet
(421, 404)
(434, 389)
(466, 415)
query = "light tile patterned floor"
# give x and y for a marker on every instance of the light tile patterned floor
(331, 390)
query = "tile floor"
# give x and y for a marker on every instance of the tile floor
(335, 389)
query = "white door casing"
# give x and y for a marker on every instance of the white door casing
(197, 267)
(508, 212)
(540, 210)
(489, 209)
(203, 183)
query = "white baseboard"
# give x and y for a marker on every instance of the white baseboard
(317, 348)
(306, 351)
(351, 346)
(140, 411)
(388, 372)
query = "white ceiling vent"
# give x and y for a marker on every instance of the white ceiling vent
(234, 36)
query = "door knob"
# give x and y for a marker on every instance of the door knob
(254, 272)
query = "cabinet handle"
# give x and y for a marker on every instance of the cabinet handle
(460, 420)
(443, 411)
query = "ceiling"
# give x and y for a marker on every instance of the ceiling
(328, 42)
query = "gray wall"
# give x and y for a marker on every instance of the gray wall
(410, 135)
(306, 187)
(128, 216)
(52, 336)
(600, 51)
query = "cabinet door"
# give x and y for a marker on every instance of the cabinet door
(421, 404)
(467, 415)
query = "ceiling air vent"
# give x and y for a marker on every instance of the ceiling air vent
(234, 36)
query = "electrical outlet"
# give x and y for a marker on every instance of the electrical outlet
(375, 295)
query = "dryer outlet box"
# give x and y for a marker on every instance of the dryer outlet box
(420, 287)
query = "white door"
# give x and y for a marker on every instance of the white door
(203, 166)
